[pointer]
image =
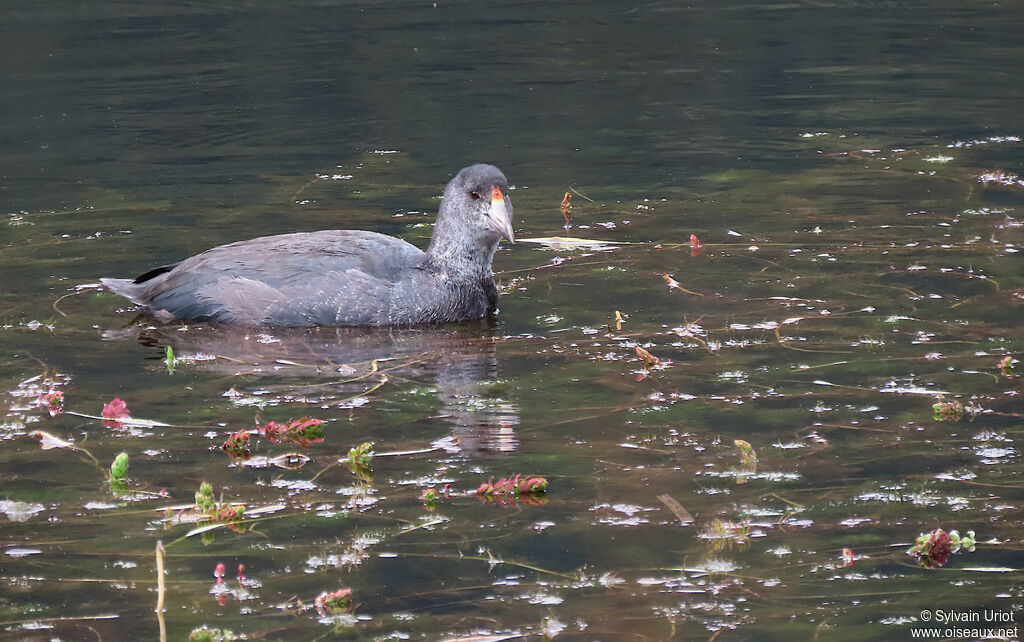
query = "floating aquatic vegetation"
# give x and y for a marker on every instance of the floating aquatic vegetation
(334, 602)
(113, 411)
(649, 359)
(210, 514)
(204, 634)
(525, 489)
(119, 468)
(747, 453)
(218, 573)
(933, 549)
(748, 459)
(430, 496)
(650, 362)
(675, 285)
(948, 410)
(848, 556)
(359, 459)
(619, 320)
(237, 445)
(1006, 366)
(695, 245)
(726, 534)
(52, 401)
(517, 488)
(41, 392)
(302, 432)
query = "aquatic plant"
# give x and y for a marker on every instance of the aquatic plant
(334, 602)
(52, 401)
(429, 499)
(695, 245)
(849, 557)
(948, 410)
(218, 572)
(675, 285)
(237, 445)
(119, 468)
(430, 496)
(517, 488)
(725, 534)
(748, 456)
(302, 432)
(933, 549)
(649, 359)
(113, 411)
(1006, 366)
(205, 634)
(358, 461)
(209, 512)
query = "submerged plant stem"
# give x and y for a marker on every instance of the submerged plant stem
(161, 589)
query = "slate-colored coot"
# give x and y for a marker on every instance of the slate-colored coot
(345, 277)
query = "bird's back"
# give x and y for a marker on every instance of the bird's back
(333, 277)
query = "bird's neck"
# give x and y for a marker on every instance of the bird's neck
(457, 258)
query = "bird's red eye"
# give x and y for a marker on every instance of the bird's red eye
(474, 196)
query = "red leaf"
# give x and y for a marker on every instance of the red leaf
(115, 409)
(848, 557)
(302, 432)
(566, 207)
(218, 572)
(695, 246)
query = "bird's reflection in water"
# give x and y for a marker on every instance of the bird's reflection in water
(460, 362)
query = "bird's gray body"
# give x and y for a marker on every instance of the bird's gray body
(338, 277)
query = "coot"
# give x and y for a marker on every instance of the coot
(345, 277)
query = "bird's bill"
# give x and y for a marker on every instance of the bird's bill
(499, 216)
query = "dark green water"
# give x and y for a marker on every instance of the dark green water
(853, 171)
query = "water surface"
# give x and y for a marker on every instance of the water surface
(853, 172)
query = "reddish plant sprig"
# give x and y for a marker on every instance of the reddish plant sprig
(948, 410)
(114, 410)
(747, 453)
(302, 432)
(230, 516)
(1006, 366)
(430, 496)
(849, 557)
(933, 549)
(209, 511)
(648, 358)
(237, 446)
(695, 245)
(334, 602)
(515, 486)
(52, 401)
(218, 572)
